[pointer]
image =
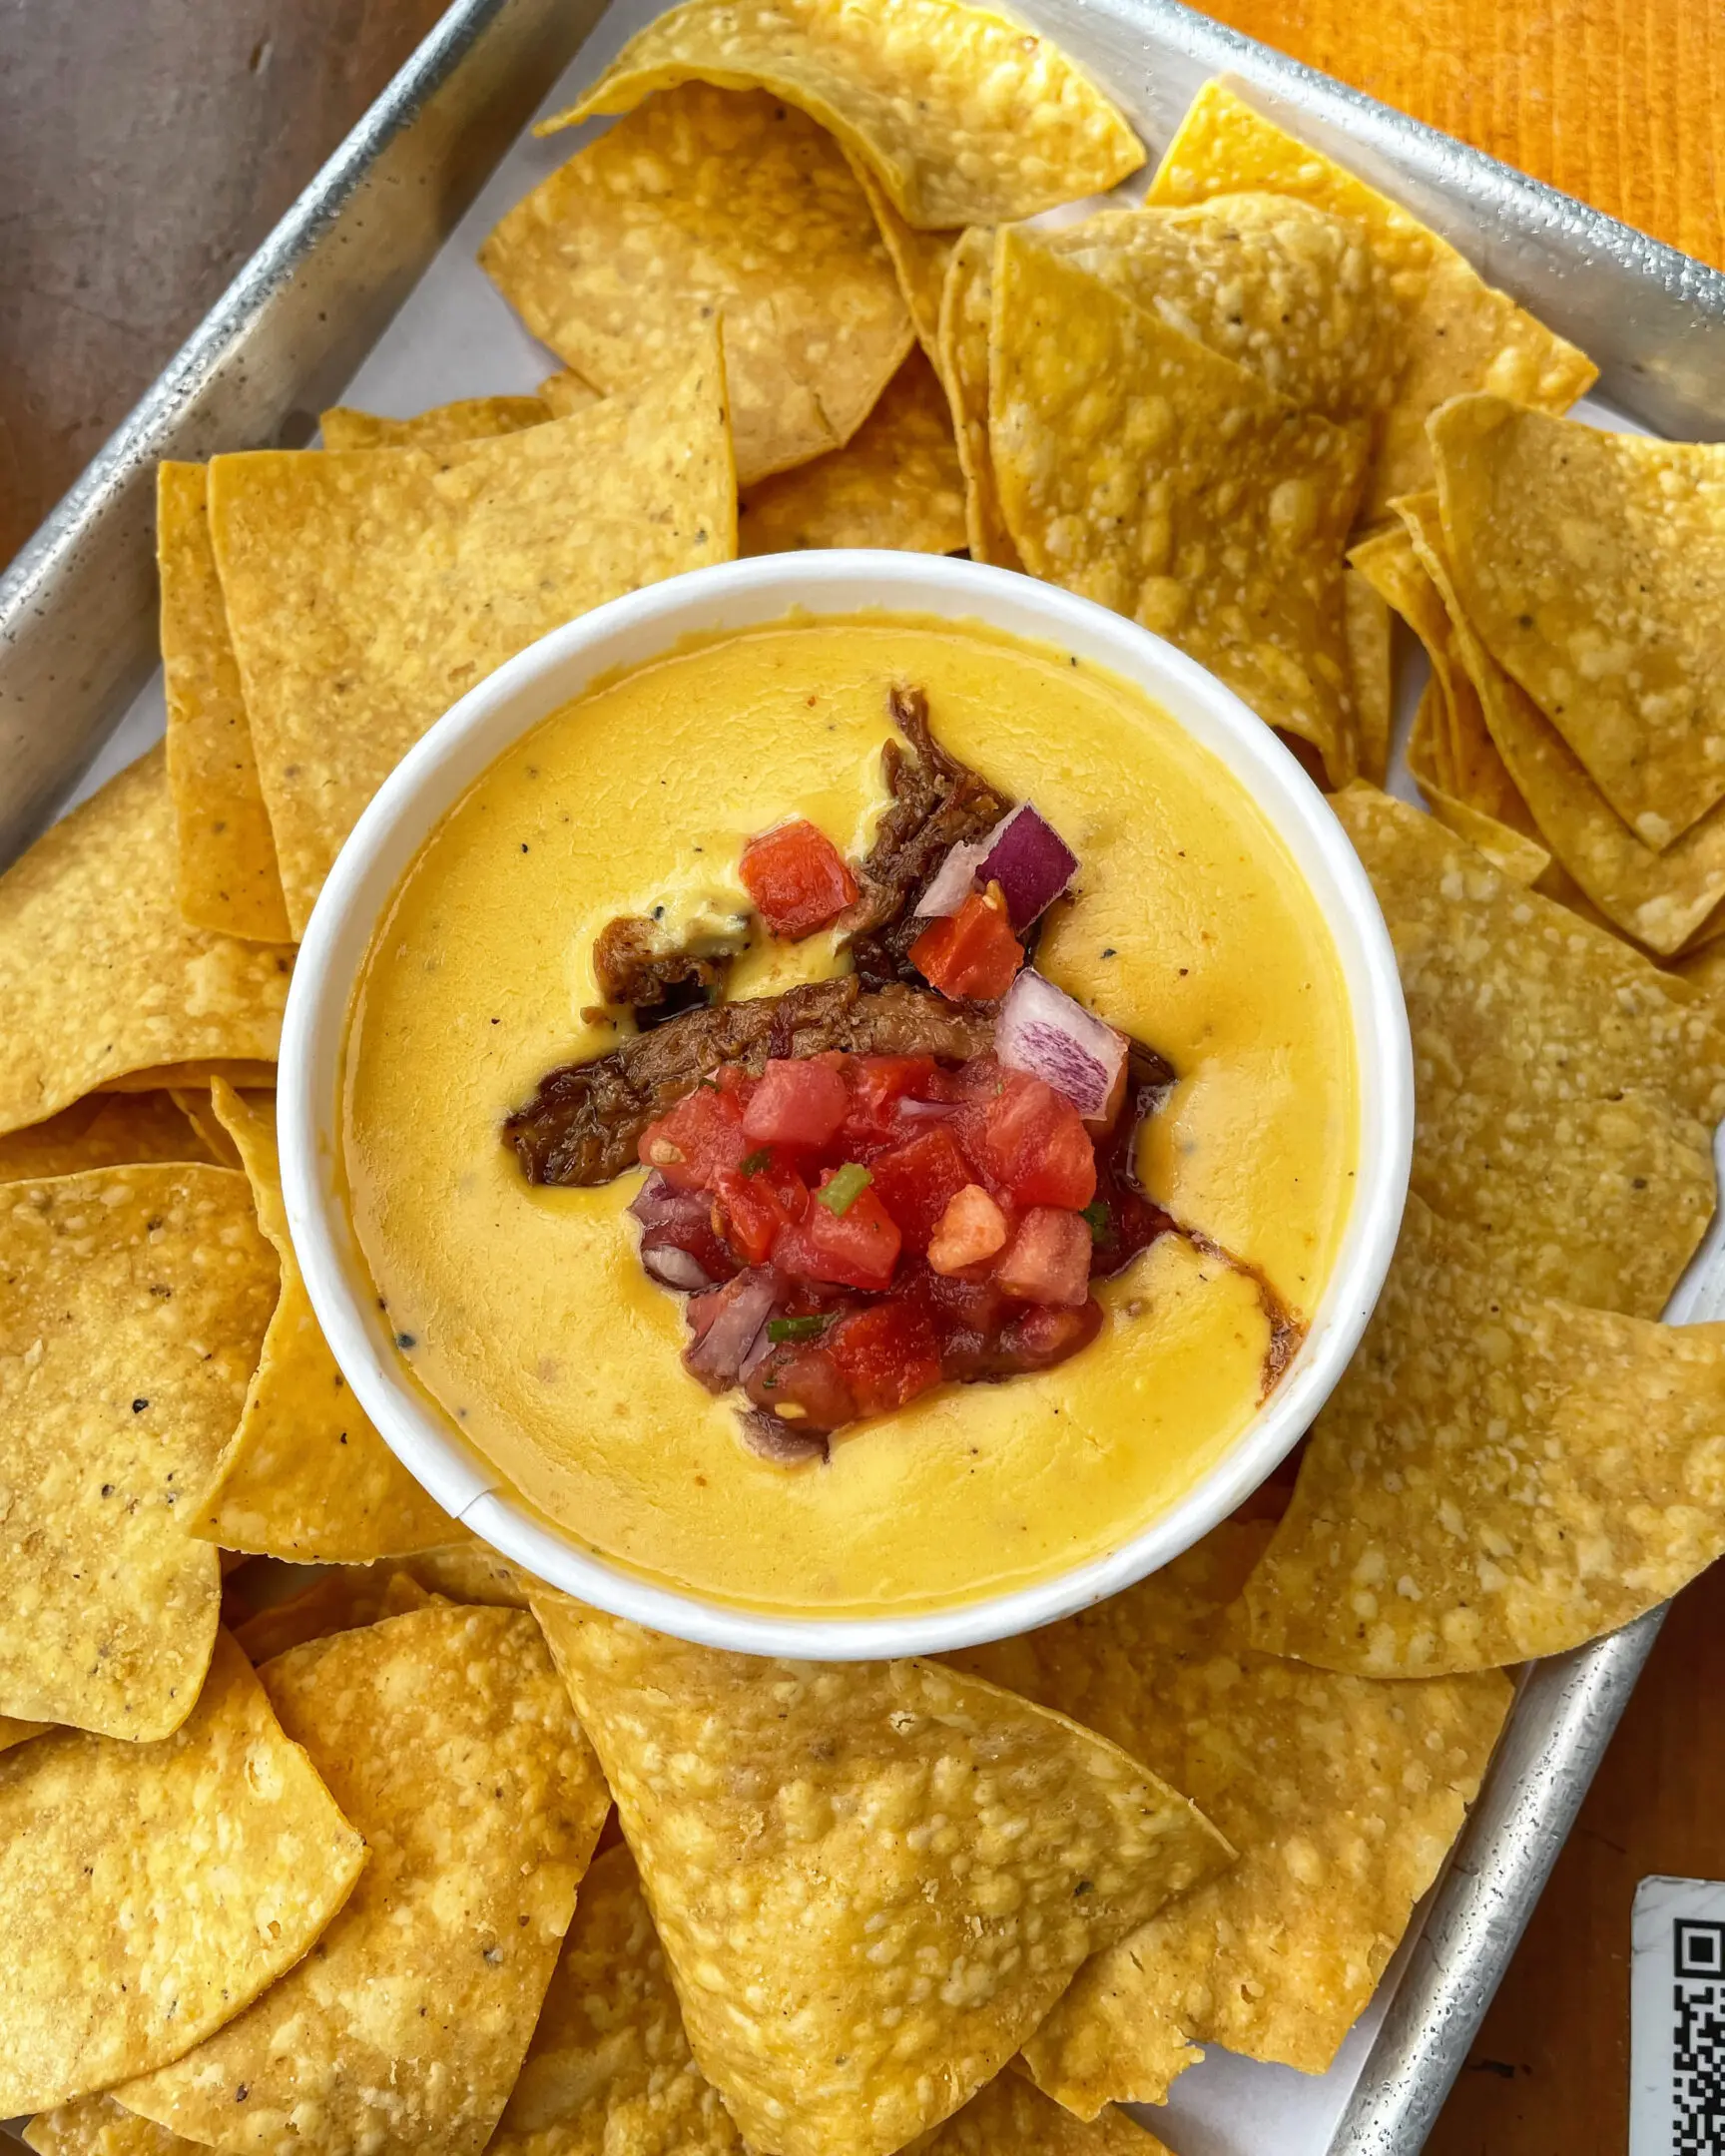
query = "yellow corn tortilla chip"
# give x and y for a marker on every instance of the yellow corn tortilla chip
(103, 1130)
(871, 1880)
(565, 393)
(1659, 898)
(247, 1075)
(194, 1103)
(1459, 333)
(1523, 861)
(14, 1732)
(966, 117)
(470, 1571)
(227, 875)
(132, 1305)
(1565, 1096)
(1430, 761)
(1011, 2118)
(338, 1600)
(706, 204)
(1152, 475)
(1287, 290)
(447, 1739)
(966, 325)
(920, 260)
(896, 482)
(1499, 1476)
(97, 2126)
(468, 419)
(99, 976)
(1593, 567)
(1704, 971)
(366, 591)
(304, 1475)
(151, 1891)
(1342, 1794)
(1366, 632)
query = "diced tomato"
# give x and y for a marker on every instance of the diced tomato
(797, 877)
(754, 1207)
(700, 1136)
(803, 1377)
(1047, 1334)
(919, 1179)
(1031, 1143)
(888, 1354)
(878, 1084)
(972, 952)
(1048, 1259)
(971, 1229)
(856, 1248)
(796, 1104)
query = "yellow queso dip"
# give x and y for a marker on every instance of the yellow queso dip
(524, 1312)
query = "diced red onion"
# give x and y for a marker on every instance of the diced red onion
(658, 1203)
(742, 1309)
(926, 1111)
(680, 1248)
(1042, 1031)
(779, 1441)
(674, 1266)
(1024, 854)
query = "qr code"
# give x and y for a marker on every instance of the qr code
(1698, 2036)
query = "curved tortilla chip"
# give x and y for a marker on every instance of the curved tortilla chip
(1497, 1475)
(99, 974)
(704, 203)
(1459, 334)
(96, 2126)
(102, 1130)
(966, 117)
(1371, 680)
(966, 325)
(304, 1475)
(919, 262)
(468, 419)
(132, 1305)
(1342, 1794)
(151, 1891)
(871, 1880)
(1154, 477)
(447, 1739)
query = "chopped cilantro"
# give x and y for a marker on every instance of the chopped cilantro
(783, 1329)
(1098, 1216)
(757, 1159)
(848, 1185)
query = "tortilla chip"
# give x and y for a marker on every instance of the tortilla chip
(96, 2126)
(1497, 1475)
(1565, 1096)
(103, 1130)
(1288, 291)
(470, 1571)
(966, 324)
(1011, 2118)
(1659, 898)
(151, 1891)
(14, 1732)
(468, 419)
(1162, 480)
(100, 976)
(366, 591)
(304, 1475)
(920, 260)
(447, 1739)
(965, 116)
(247, 1075)
(1459, 334)
(707, 204)
(1366, 632)
(227, 876)
(1341, 1794)
(566, 393)
(1523, 861)
(1592, 566)
(871, 1880)
(895, 483)
(1704, 971)
(132, 1305)
(338, 1600)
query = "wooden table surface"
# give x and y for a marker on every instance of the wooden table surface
(146, 146)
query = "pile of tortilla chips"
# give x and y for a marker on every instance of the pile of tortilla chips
(402, 1851)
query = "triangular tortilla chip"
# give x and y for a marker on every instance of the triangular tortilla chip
(304, 1475)
(1659, 898)
(871, 1880)
(966, 117)
(132, 1305)
(468, 419)
(1460, 333)
(708, 203)
(966, 325)
(227, 879)
(1342, 1794)
(1566, 1095)
(97, 2126)
(99, 974)
(447, 1739)
(896, 482)
(151, 1891)
(1366, 632)
(920, 260)
(338, 1600)
(366, 591)
(103, 1130)
(248, 1075)
(565, 393)
(1496, 1476)
(1148, 473)
(1287, 290)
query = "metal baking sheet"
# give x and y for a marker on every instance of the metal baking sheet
(367, 291)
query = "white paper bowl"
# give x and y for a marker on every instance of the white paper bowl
(440, 770)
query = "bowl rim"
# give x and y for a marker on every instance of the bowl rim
(629, 630)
